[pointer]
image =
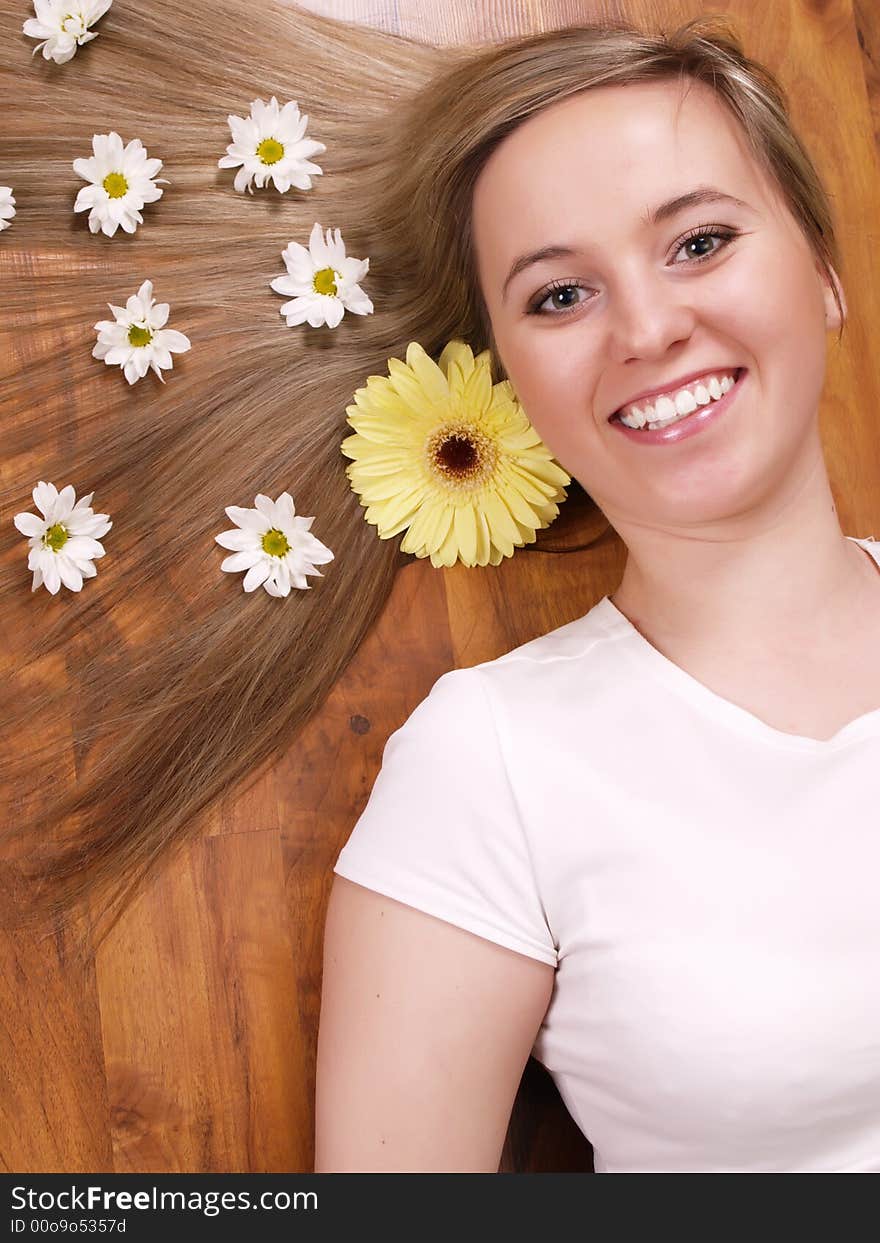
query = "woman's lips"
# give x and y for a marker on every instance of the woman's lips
(690, 425)
(685, 381)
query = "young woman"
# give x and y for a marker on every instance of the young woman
(612, 846)
(639, 846)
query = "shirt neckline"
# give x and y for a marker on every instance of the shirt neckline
(708, 701)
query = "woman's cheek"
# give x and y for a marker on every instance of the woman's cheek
(554, 416)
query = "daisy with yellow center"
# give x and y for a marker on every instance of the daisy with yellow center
(121, 182)
(63, 25)
(270, 146)
(64, 542)
(322, 281)
(273, 545)
(442, 453)
(137, 339)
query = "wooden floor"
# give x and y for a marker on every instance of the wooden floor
(188, 1042)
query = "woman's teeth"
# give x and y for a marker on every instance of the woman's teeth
(668, 410)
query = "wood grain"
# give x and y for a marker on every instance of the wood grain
(187, 1044)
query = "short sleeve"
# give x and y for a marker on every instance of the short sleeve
(441, 830)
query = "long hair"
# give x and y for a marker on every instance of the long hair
(137, 703)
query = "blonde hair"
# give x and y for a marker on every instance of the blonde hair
(182, 687)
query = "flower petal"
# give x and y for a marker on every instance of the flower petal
(242, 560)
(29, 524)
(51, 576)
(69, 574)
(247, 519)
(238, 540)
(257, 575)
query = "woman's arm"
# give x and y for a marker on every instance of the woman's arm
(424, 1033)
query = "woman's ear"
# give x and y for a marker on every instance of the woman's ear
(832, 313)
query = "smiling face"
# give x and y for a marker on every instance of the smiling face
(637, 306)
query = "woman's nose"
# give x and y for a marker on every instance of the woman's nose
(646, 317)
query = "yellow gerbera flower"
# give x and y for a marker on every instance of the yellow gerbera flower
(442, 451)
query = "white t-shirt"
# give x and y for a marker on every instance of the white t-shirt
(706, 886)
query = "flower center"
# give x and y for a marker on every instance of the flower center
(325, 281)
(275, 543)
(139, 336)
(270, 151)
(75, 24)
(462, 455)
(55, 537)
(115, 185)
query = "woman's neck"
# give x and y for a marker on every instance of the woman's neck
(772, 582)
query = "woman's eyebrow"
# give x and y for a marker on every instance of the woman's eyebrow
(651, 218)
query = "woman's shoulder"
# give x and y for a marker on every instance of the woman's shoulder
(583, 661)
(575, 642)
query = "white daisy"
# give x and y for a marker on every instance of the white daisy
(64, 542)
(273, 545)
(269, 145)
(138, 339)
(323, 280)
(122, 181)
(63, 25)
(7, 207)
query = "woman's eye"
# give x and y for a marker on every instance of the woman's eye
(535, 307)
(703, 232)
(723, 235)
